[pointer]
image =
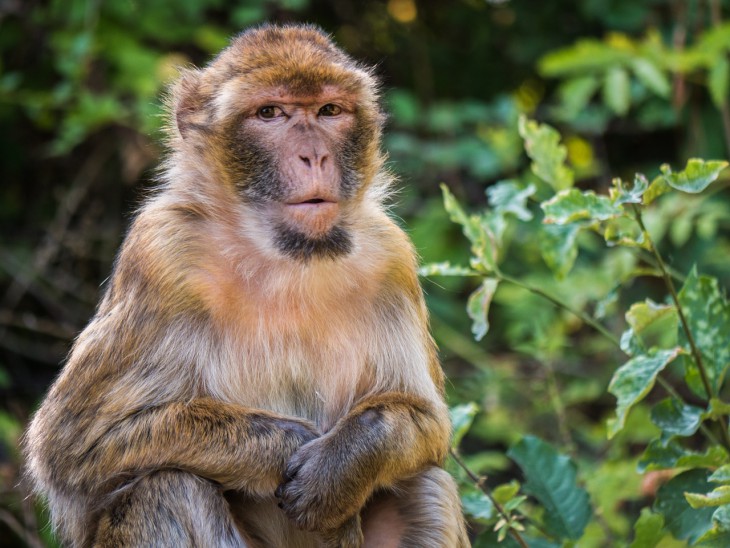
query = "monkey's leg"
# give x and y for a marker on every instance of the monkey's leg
(169, 508)
(421, 512)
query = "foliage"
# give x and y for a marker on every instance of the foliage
(698, 316)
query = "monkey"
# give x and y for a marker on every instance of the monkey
(259, 371)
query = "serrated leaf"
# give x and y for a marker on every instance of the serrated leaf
(683, 521)
(707, 312)
(477, 307)
(642, 315)
(717, 497)
(621, 194)
(651, 76)
(509, 197)
(462, 417)
(542, 144)
(718, 81)
(648, 529)
(571, 205)
(617, 90)
(696, 176)
(676, 418)
(478, 506)
(633, 381)
(559, 248)
(445, 269)
(552, 480)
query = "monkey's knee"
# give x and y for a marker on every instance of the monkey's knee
(168, 508)
(431, 510)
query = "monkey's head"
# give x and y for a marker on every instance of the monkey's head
(291, 126)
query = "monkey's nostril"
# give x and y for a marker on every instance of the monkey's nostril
(306, 161)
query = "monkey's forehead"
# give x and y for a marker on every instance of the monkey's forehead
(298, 58)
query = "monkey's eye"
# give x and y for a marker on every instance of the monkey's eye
(269, 112)
(330, 110)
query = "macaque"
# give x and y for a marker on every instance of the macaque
(259, 371)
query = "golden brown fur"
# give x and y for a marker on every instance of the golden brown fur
(220, 374)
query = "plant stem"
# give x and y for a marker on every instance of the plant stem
(479, 482)
(579, 313)
(696, 354)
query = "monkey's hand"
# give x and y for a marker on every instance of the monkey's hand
(329, 479)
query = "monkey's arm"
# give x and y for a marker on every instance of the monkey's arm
(385, 438)
(233, 445)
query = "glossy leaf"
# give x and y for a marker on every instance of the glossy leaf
(542, 144)
(684, 522)
(648, 529)
(719, 535)
(478, 307)
(666, 454)
(677, 418)
(642, 315)
(721, 475)
(621, 194)
(657, 187)
(708, 314)
(462, 417)
(633, 381)
(551, 478)
(617, 90)
(559, 248)
(695, 177)
(717, 497)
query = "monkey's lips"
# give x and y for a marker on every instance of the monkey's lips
(314, 215)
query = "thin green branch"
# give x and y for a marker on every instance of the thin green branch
(579, 313)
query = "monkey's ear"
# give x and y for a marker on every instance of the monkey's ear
(188, 103)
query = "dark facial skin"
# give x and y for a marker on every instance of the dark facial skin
(301, 169)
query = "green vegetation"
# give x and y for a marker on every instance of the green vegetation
(575, 258)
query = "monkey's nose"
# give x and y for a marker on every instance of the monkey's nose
(314, 160)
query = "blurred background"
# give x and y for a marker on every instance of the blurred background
(631, 84)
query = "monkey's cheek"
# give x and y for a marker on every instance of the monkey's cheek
(314, 219)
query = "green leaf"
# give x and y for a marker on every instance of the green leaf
(676, 418)
(616, 90)
(696, 176)
(683, 521)
(559, 248)
(648, 529)
(631, 344)
(633, 381)
(721, 475)
(445, 269)
(657, 187)
(717, 497)
(479, 230)
(719, 81)
(665, 454)
(707, 312)
(506, 492)
(622, 195)
(571, 205)
(542, 144)
(552, 480)
(651, 76)
(461, 418)
(719, 535)
(583, 56)
(478, 506)
(478, 307)
(575, 93)
(642, 315)
(508, 197)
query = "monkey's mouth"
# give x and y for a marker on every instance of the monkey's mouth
(315, 215)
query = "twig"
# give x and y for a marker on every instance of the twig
(480, 483)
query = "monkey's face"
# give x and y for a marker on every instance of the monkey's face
(298, 168)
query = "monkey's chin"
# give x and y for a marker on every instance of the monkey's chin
(303, 247)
